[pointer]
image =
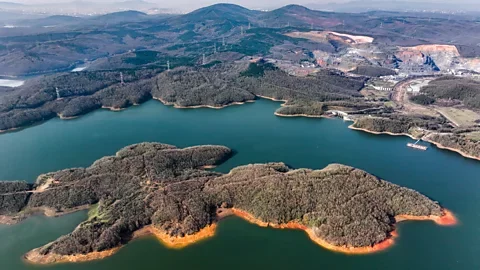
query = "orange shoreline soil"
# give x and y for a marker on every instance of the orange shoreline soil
(447, 219)
(34, 256)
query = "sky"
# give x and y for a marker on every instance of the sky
(248, 3)
(242, 2)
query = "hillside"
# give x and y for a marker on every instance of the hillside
(464, 90)
(166, 192)
(215, 86)
(230, 28)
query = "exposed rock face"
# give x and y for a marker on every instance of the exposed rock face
(161, 186)
(434, 57)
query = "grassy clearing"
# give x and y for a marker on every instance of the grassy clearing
(474, 136)
(460, 117)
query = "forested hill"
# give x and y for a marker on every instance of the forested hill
(59, 43)
(167, 188)
(464, 90)
(216, 86)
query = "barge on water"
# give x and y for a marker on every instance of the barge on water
(417, 146)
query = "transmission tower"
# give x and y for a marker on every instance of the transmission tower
(223, 41)
(204, 61)
(121, 78)
(168, 65)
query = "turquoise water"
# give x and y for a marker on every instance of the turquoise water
(257, 136)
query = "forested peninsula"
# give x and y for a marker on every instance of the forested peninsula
(73, 94)
(217, 85)
(159, 189)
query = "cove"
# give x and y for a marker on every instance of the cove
(257, 136)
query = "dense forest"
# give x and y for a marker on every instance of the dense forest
(215, 85)
(457, 141)
(401, 124)
(373, 71)
(463, 89)
(167, 187)
(422, 99)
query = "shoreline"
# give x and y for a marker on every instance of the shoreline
(113, 109)
(275, 113)
(381, 133)
(202, 106)
(175, 242)
(441, 146)
(301, 115)
(48, 212)
(272, 99)
(425, 139)
(67, 117)
(448, 219)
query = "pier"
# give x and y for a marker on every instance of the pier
(417, 146)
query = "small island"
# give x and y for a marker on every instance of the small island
(158, 189)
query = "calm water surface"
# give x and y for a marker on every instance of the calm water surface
(257, 136)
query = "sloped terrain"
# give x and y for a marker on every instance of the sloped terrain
(165, 187)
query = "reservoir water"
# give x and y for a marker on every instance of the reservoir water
(257, 136)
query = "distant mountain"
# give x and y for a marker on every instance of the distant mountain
(221, 12)
(82, 7)
(300, 16)
(122, 16)
(52, 21)
(370, 5)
